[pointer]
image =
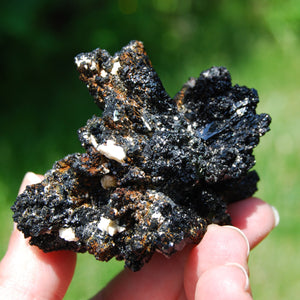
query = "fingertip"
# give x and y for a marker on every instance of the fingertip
(219, 246)
(242, 234)
(254, 217)
(228, 281)
(244, 271)
(28, 270)
(30, 178)
(222, 244)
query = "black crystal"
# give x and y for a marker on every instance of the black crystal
(156, 170)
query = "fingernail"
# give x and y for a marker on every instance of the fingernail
(32, 178)
(276, 216)
(243, 235)
(247, 281)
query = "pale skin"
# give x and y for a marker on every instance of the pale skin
(217, 268)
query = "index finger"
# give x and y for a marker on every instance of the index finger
(254, 217)
(26, 272)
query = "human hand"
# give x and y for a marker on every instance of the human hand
(215, 269)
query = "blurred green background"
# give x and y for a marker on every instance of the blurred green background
(43, 103)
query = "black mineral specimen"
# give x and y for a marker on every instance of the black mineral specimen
(156, 170)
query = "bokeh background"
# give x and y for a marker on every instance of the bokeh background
(43, 103)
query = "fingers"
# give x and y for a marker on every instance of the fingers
(228, 282)
(217, 268)
(161, 278)
(28, 273)
(255, 218)
(223, 245)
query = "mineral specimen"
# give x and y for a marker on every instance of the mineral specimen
(156, 170)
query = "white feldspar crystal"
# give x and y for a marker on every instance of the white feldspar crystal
(112, 151)
(103, 73)
(158, 216)
(87, 62)
(67, 234)
(109, 226)
(115, 68)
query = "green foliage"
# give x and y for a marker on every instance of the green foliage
(43, 102)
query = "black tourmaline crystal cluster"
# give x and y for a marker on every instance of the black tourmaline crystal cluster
(156, 170)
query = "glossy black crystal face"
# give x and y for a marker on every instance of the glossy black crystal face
(156, 170)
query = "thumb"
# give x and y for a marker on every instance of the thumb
(26, 272)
